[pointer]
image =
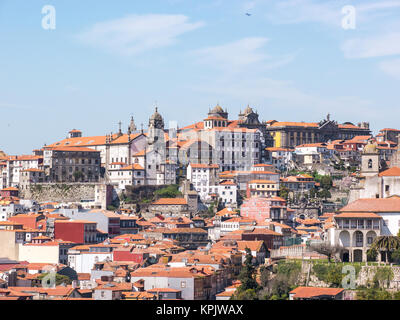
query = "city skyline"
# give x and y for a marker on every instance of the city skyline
(96, 69)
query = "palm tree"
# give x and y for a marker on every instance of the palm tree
(386, 244)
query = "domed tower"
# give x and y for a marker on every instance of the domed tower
(249, 117)
(370, 159)
(218, 112)
(156, 129)
(156, 121)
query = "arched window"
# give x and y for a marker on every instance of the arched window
(370, 164)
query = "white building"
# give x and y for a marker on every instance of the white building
(279, 157)
(233, 147)
(203, 177)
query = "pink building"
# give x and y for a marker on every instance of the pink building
(262, 208)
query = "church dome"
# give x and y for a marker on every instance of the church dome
(371, 147)
(156, 116)
(217, 109)
(248, 110)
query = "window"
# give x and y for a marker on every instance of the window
(183, 284)
(370, 164)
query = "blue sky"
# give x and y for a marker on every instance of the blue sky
(107, 60)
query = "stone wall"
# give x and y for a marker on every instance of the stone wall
(365, 275)
(59, 192)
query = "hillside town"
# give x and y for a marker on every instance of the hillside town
(231, 207)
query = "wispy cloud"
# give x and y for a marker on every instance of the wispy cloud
(323, 12)
(135, 34)
(378, 5)
(391, 67)
(376, 46)
(299, 11)
(241, 55)
(12, 106)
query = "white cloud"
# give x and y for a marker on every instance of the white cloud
(135, 34)
(325, 12)
(299, 11)
(377, 46)
(378, 5)
(391, 67)
(241, 55)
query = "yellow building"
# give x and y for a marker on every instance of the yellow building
(292, 134)
(267, 188)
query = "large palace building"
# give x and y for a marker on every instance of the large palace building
(292, 134)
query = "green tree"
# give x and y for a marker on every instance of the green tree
(313, 192)
(60, 279)
(171, 191)
(264, 276)
(386, 244)
(248, 273)
(249, 286)
(396, 256)
(324, 193)
(373, 294)
(284, 192)
(382, 277)
(330, 273)
(372, 254)
(287, 275)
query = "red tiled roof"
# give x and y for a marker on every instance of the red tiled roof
(391, 204)
(392, 172)
(310, 292)
(358, 215)
(170, 201)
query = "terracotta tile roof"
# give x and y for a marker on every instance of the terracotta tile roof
(71, 149)
(358, 215)
(139, 295)
(310, 292)
(164, 271)
(10, 189)
(57, 291)
(228, 183)
(83, 276)
(134, 166)
(252, 245)
(392, 172)
(265, 231)
(178, 230)
(170, 201)
(391, 204)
